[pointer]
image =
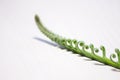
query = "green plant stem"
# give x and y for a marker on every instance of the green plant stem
(83, 51)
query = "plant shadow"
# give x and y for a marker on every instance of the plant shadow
(99, 64)
(48, 42)
(116, 70)
(61, 47)
(45, 41)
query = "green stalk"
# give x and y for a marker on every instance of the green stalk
(80, 47)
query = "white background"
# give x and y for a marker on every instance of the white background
(24, 54)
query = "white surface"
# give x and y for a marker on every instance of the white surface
(24, 58)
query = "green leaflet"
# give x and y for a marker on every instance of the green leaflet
(81, 48)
